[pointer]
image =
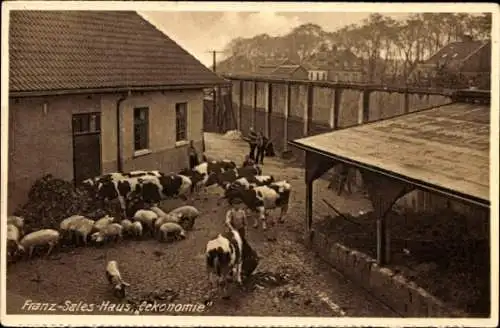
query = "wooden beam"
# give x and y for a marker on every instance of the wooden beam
(364, 107)
(317, 165)
(406, 108)
(240, 105)
(254, 110)
(337, 96)
(309, 109)
(383, 192)
(287, 113)
(309, 210)
(269, 109)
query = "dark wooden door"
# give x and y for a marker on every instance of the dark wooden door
(86, 146)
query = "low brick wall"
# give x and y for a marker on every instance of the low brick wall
(402, 295)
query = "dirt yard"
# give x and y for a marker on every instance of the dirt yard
(289, 281)
(175, 272)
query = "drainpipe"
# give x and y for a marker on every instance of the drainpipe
(119, 159)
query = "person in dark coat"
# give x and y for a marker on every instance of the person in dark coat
(252, 136)
(261, 148)
(193, 155)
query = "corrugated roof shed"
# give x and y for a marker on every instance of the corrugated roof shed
(67, 50)
(447, 147)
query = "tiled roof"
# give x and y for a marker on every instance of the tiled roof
(68, 50)
(266, 69)
(455, 52)
(286, 70)
(333, 60)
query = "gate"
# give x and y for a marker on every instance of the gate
(86, 146)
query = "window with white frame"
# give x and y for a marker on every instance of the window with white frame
(141, 128)
(180, 122)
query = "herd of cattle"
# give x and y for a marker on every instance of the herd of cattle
(139, 194)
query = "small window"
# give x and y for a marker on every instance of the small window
(180, 122)
(86, 123)
(141, 128)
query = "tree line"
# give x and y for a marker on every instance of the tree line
(389, 49)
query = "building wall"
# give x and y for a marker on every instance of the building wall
(300, 74)
(318, 75)
(161, 130)
(344, 76)
(41, 143)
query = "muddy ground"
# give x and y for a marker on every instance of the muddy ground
(289, 281)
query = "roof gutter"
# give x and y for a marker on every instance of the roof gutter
(20, 94)
(418, 183)
(119, 157)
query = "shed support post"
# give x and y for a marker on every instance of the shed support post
(309, 208)
(316, 166)
(384, 192)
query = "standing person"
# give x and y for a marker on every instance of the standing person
(236, 217)
(344, 179)
(193, 155)
(253, 142)
(261, 149)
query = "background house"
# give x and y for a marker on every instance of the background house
(284, 69)
(337, 65)
(94, 92)
(462, 64)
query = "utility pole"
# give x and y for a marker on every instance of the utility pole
(216, 90)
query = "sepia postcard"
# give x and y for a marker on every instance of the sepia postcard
(257, 164)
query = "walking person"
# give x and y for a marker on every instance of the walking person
(261, 149)
(252, 136)
(193, 155)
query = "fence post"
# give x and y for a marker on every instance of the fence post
(336, 108)
(287, 113)
(364, 106)
(240, 106)
(254, 110)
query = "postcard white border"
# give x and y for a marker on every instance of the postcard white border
(185, 321)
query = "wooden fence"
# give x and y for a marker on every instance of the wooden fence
(288, 109)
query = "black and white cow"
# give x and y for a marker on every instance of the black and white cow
(104, 186)
(261, 199)
(249, 181)
(204, 174)
(129, 186)
(152, 190)
(224, 257)
(225, 178)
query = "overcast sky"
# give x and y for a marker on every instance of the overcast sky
(198, 32)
